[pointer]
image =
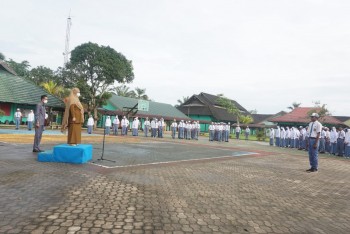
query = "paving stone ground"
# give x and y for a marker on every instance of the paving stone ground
(267, 192)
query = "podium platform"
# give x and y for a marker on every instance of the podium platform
(67, 154)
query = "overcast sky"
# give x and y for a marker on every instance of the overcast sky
(265, 54)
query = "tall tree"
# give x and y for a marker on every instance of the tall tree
(320, 109)
(55, 89)
(230, 107)
(124, 91)
(141, 94)
(95, 69)
(294, 105)
(180, 102)
(2, 56)
(22, 68)
(42, 74)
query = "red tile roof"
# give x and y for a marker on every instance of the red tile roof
(301, 115)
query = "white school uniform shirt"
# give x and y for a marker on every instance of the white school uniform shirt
(174, 125)
(314, 128)
(283, 133)
(278, 132)
(211, 127)
(297, 134)
(238, 129)
(125, 122)
(153, 124)
(347, 138)
(108, 122)
(287, 133)
(90, 121)
(116, 121)
(147, 123)
(18, 114)
(272, 133)
(30, 117)
(341, 134)
(221, 127)
(135, 123)
(323, 134)
(333, 136)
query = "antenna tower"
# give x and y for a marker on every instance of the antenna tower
(66, 48)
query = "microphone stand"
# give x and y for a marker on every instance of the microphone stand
(103, 144)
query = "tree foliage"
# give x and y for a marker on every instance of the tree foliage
(229, 106)
(140, 93)
(124, 91)
(94, 69)
(320, 109)
(294, 105)
(22, 68)
(43, 74)
(245, 119)
(2, 56)
(55, 89)
(182, 101)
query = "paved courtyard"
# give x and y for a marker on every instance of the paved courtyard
(173, 186)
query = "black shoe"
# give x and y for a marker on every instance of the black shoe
(308, 170)
(38, 151)
(314, 170)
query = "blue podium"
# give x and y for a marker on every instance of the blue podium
(67, 154)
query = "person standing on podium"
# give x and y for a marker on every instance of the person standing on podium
(73, 118)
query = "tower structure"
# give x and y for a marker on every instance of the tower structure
(66, 48)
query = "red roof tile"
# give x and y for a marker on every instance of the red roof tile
(301, 115)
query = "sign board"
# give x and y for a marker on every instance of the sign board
(143, 105)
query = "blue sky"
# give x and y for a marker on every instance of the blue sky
(264, 54)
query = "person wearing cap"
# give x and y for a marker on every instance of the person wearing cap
(173, 127)
(135, 126)
(18, 116)
(314, 129)
(340, 142)
(116, 123)
(30, 120)
(147, 126)
(108, 124)
(90, 124)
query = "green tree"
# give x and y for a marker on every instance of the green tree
(141, 94)
(42, 74)
(320, 109)
(294, 105)
(55, 89)
(94, 69)
(124, 91)
(229, 106)
(2, 56)
(246, 119)
(22, 68)
(180, 102)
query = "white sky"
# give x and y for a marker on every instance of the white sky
(265, 54)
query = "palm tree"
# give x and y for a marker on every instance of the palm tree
(294, 105)
(246, 119)
(184, 99)
(53, 88)
(124, 91)
(140, 94)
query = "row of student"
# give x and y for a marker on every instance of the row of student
(334, 141)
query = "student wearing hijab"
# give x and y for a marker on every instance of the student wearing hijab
(108, 125)
(90, 124)
(115, 125)
(73, 117)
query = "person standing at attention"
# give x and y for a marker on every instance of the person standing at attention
(30, 120)
(90, 124)
(315, 128)
(39, 123)
(73, 118)
(18, 116)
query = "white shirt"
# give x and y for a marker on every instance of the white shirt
(153, 124)
(238, 129)
(174, 125)
(333, 136)
(116, 121)
(211, 127)
(314, 128)
(108, 122)
(135, 123)
(341, 134)
(278, 133)
(347, 138)
(90, 121)
(125, 122)
(147, 123)
(272, 133)
(30, 117)
(18, 114)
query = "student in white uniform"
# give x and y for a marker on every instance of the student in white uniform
(211, 131)
(314, 129)
(125, 124)
(116, 123)
(30, 120)
(333, 140)
(347, 143)
(135, 126)
(278, 136)
(108, 125)
(18, 116)
(147, 126)
(272, 136)
(173, 127)
(154, 127)
(90, 124)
